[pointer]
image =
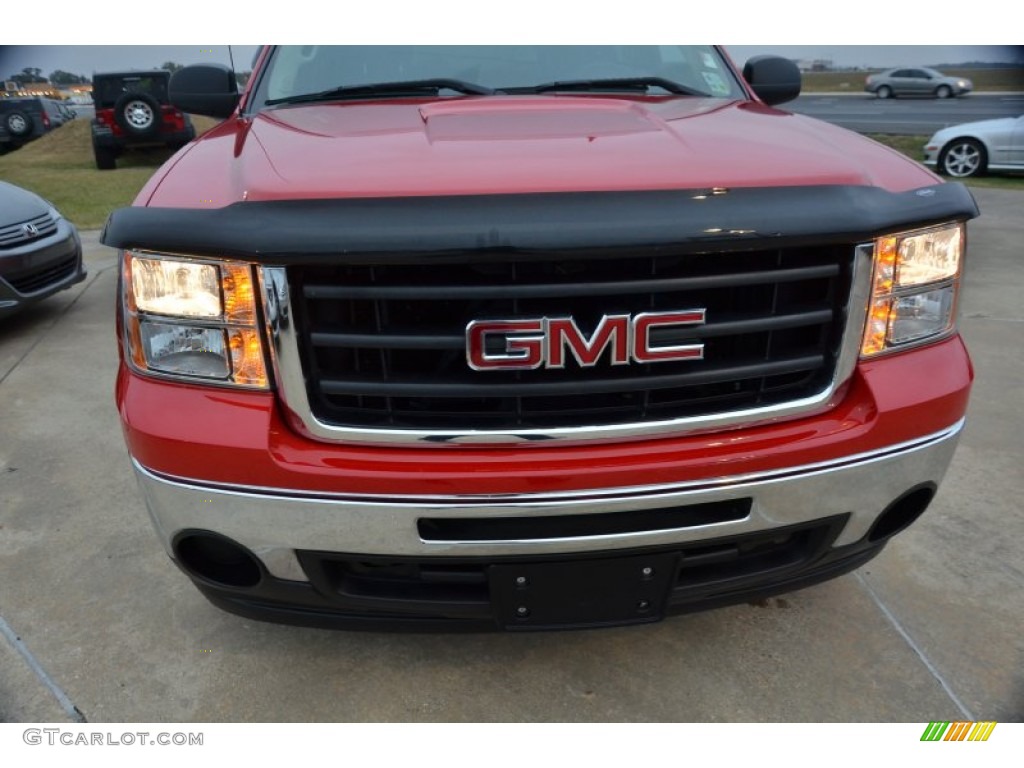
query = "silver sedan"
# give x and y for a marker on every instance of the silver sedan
(916, 81)
(971, 149)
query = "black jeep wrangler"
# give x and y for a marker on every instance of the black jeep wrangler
(132, 110)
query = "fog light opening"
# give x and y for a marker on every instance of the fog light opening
(902, 512)
(218, 559)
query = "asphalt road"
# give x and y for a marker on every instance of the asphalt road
(96, 623)
(866, 114)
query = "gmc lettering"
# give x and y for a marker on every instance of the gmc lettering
(543, 342)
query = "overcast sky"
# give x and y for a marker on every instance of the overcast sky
(86, 59)
(887, 55)
(784, 28)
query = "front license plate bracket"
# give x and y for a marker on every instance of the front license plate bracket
(582, 593)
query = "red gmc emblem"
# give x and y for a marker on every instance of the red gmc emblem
(547, 341)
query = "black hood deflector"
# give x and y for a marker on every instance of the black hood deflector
(382, 230)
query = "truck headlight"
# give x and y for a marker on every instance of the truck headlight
(193, 319)
(914, 294)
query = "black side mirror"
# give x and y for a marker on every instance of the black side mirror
(204, 89)
(774, 79)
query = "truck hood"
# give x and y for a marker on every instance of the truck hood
(516, 144)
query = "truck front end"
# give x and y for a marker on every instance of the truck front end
(530, 356)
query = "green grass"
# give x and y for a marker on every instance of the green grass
(1009, 79)
(912, 147)
(60, 167)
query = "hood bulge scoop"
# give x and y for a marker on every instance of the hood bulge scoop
(517, 118)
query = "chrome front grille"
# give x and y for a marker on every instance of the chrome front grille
(382, 348)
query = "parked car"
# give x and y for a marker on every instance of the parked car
(972, 149)
(921, 81)
(40, 253)
(67, 113)
(132, 110)
(26, 119)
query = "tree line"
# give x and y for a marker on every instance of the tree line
(30, 75)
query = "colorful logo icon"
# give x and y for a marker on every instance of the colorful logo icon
(958, 731)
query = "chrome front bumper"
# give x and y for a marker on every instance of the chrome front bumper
(273, 523)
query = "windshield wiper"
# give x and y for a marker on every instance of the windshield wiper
(391, 89)
(611, 84)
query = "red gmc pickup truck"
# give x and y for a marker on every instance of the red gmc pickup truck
(528, 337)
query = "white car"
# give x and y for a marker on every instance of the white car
(972, 149)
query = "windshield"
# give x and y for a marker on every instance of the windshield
(300, 70)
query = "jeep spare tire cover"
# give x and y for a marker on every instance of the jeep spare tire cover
(139, 114)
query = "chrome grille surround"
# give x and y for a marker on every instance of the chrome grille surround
(291, 379)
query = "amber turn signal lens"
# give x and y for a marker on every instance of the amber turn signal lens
(914, 290)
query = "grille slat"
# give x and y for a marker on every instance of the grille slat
(427, 388)
(36, 281)
(661, 336)
(449, 292)
(384, 346)
(387, 341)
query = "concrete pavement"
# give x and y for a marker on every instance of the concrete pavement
(99, 622)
